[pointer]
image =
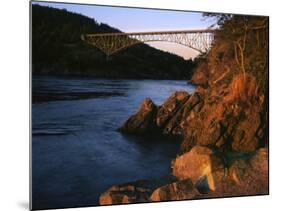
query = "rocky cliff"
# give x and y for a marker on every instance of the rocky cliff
(223, 125)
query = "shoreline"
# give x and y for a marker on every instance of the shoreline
(210, 166)
(92, 76)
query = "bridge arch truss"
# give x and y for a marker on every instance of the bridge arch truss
(110, 43)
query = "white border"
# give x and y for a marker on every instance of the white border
(14, 110)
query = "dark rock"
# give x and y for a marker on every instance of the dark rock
(165, 120)
(170, 108)
(202, 185)
(142, 122)
(176, 125)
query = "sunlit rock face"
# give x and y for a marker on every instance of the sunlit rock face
(170, 107)
(233, 118)
(200, 76)
(199, 162)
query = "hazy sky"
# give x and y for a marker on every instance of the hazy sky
(134, 19)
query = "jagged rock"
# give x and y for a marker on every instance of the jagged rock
(176, 124)
(167, 119)
(228, 120)
(179, 190)
(170, 107)
(199, 162)
(142, 122)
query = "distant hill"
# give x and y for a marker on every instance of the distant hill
(58, 50)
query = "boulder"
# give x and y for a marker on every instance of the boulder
(142, 122)
(197, 164)
(179, 190)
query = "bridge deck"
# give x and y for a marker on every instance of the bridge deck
(155, 32)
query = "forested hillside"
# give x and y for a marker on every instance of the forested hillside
(57, 49)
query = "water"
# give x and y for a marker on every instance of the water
(77, 152)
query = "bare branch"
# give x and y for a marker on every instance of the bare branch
(242, 59)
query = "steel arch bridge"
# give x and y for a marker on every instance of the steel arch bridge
(110, 43)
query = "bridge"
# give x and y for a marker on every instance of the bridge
(110, 43)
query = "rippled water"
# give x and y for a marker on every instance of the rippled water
(77, 152)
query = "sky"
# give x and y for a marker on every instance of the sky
(137, 20)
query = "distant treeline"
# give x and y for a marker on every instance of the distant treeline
(57, 49)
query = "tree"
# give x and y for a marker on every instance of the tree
(248, 36)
